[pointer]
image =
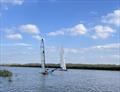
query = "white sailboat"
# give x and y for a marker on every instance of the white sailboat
(44, 71)
(62, 61)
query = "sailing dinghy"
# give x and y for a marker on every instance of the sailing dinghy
(62, 61)
(44, 70)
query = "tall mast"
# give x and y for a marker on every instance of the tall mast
(42, 55)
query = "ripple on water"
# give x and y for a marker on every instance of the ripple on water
(30, 80)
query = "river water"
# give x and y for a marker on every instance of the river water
(31, 80)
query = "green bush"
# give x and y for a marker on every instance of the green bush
(5, 73)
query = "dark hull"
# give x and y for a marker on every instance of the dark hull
(44, 73)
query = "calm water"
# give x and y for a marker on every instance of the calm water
(30, 80)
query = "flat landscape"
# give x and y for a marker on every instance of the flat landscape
(70, 66)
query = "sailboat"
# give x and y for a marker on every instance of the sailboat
(62, 61)
(44, 70)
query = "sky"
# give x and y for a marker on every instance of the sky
(88, 30)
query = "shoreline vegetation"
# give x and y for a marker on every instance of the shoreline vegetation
(5, 73)
(70, 66)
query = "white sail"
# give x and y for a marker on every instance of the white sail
(62, 61)
(64, 65)
(42, 56)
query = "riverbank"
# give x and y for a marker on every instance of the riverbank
(70, 66)
(5, 73)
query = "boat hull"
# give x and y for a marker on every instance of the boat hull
(44, 73)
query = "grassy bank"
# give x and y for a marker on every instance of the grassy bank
(5, 73)
(70, 66)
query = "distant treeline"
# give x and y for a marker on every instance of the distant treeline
(70, 66)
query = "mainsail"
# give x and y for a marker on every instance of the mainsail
(42, 56)
(62, 61)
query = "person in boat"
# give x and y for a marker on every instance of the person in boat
(53, 70)
(45, 73)
(48, 71)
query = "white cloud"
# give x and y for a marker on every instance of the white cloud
(71, 50)
(92, 49)
(84, 50)
(26, 45)
(30, 48)
(22, 44)
(38, 37)
(51, 49)
(30, 28)
(102, 32)
(6, 3)
(66, 50)
(12, 2)
(56, 33)
(112, 18)
(15, 36)
(8, 30)
(58, 49)
(108, 46)
(79, 29)
(116, 56)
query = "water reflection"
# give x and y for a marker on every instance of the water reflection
(43, 83)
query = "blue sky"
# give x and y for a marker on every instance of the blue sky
(87, 29)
